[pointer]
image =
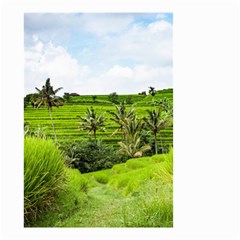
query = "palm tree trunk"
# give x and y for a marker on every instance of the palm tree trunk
(50, 113)
(161, 143)
(155, 143)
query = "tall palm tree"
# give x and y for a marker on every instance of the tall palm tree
(152, 92)
(121, 116)
(47, 96)
(155, 122)
(92, 122)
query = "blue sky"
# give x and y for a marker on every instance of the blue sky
(98, 53)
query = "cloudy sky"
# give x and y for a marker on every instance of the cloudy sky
(98, 53)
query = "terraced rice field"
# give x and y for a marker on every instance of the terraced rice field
(67, 123)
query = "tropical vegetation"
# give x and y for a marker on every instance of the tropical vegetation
(44, 175)
(99, 160)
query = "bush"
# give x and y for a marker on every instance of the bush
(113, 97)
(88, 156)
(44, 175)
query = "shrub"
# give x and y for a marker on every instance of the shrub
(88, 156)
(44, 175)
(113, 97)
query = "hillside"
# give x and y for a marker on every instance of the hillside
(128, 98)
(67, 123)
(137, 193)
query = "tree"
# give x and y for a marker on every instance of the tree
(93, 122)
(131, 145)
(47, 96)
(120, 116)
(113, 97)
(94, 97)
(155, 122)
(152, 92)
(30, 99)
(66, 96)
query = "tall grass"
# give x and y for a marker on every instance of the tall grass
(165, 172)
(71, 200)
(152, 207)
(150, 182)
(44, 175)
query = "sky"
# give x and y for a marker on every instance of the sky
(98, 53)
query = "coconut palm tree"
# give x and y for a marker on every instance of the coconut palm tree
(155, 122)
(47, 96)
(152, 92)
(92, 122)
(121, 116)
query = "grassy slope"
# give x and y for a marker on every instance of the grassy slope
(133, 194)
(66, 120)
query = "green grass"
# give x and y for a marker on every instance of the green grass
(44, 175)
(132, 194)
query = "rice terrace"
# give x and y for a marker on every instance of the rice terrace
(98, 151)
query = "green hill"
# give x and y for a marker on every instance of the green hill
(66, 120)
(137, 193)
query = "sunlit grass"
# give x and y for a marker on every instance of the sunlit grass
(132, 194)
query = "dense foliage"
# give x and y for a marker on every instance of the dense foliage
(44, 175)
(89, 156)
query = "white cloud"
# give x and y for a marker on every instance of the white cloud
(47, 60)
(145, 73)
(118, 71)
(125, 80)
(133, 57)
(160, 26)
(151, 44)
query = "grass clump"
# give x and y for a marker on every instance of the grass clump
(71, 200)
(44, 175)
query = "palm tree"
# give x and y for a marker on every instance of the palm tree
(131, 145)
(92, 122)
(152, 92)
(121, 116)
(155, 122)
(47, 96)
